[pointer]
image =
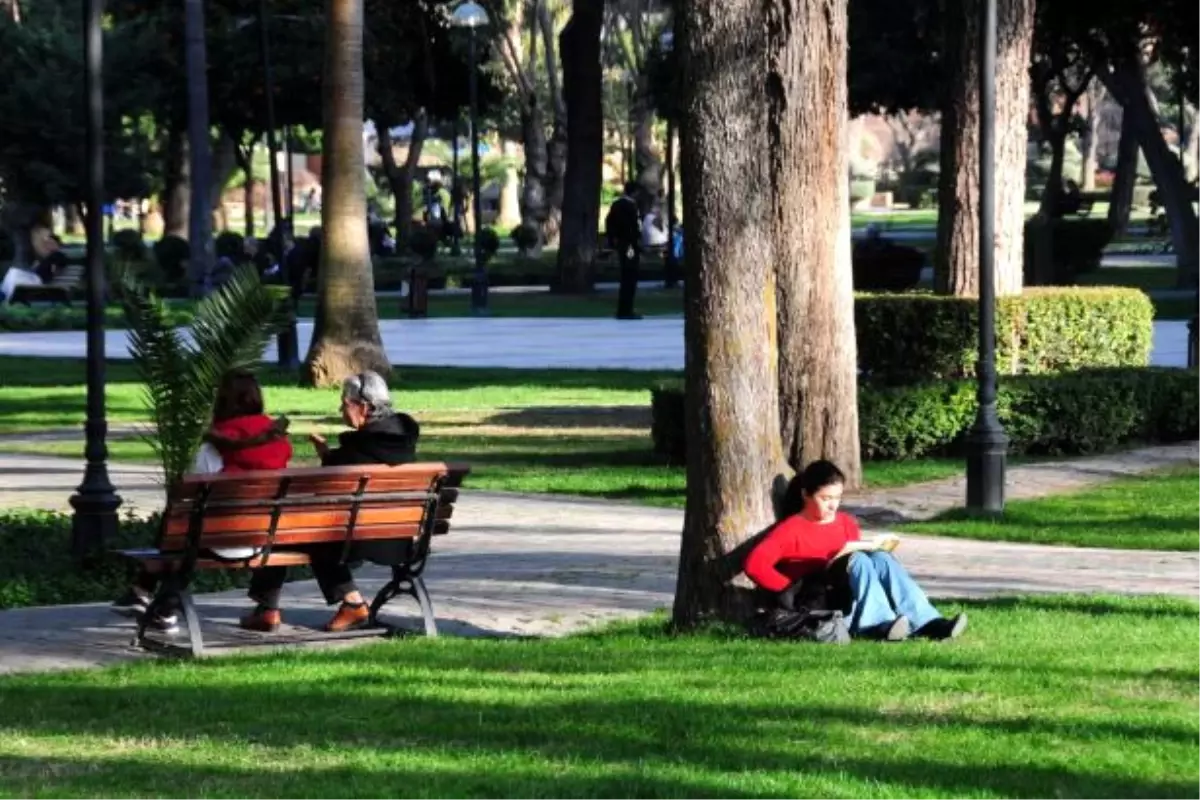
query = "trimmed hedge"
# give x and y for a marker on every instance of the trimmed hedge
(914, 338)
(1073, 413)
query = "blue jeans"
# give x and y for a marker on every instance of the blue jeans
(882, 590)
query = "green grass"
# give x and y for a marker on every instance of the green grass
(1044, 697)
(1151, 512)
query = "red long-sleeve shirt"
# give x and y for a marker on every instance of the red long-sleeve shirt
(798, 547)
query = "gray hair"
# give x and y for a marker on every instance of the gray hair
(370, 389)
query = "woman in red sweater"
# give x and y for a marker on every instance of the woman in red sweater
(886, 603)
(242, 438)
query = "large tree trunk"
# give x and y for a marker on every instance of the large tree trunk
(731, 411)
(1090, 138)
(533, 191)
(956, 270)
(400, 179)
(346, 333)
(508, 214)
(245, 161)
(1127, 83)
(178, 185)
(818, 361)
(224, 164)
(580, 44)
(1120, 204)
(646, 157)
(1053, 192)
(556, 149)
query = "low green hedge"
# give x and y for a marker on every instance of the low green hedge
(37, 568)
(914, 338)
(1072, 413)
(20, 319)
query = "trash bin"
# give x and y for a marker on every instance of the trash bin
(417, 301)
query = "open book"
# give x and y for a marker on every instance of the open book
(887, 543)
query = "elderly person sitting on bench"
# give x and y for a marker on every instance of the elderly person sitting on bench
(379, 435)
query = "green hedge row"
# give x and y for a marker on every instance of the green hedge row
(914, 338)
(1074, 413)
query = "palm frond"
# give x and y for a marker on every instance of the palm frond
(231, 329)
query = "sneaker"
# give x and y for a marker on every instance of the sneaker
(263, 620)
(130, 604)
(349, 617)
(899, 630)
(163, 623)
(942, 628)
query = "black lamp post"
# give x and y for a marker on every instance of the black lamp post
(470, 15)
(987, 445)
(96, 500)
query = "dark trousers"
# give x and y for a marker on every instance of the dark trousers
(333, 576)
(629, 280)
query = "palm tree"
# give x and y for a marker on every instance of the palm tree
(346, 336)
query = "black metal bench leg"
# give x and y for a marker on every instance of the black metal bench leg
(404, 583)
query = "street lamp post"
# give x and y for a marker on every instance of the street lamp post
(470, 15)
(96, 500)
(987, 445)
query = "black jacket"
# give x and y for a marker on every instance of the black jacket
(387, 440)
(622, 225)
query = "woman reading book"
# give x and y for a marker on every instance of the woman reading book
(885, 602)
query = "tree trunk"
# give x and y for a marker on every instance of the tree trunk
(580, 44)
(1127, 83)
(956, 270)
(1053, 191)
(224, 164)
(176, 201)
(1120, 204)
(647, 159)
(1090, 138)
(346, 332)
(556, 149)
(508, 214)
(533, 192)
(818, 363)
(245, 160)
(731, 410)
(400, 180)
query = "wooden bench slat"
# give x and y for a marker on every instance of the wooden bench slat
(304, 536)
(259, 519)
(278, 558)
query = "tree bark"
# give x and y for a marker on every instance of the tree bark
(556, 149)
(245, 160)
(1127, 83)
(580, 44)
(533, 191)
(176, 201)
(731, 410)
(1090, 138)
(1120, 204)
(224, 164)
(400, 179)
(509, 212)
(647, 160)
(818, 363)
(346, 333)
(956, 270)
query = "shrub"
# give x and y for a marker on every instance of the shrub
(424, 242)
(1077, 246)
(128, 244)
(913, 338)
(525, 237)
(489, 243)
(171, 253)
(1072, 413)
(882, 265)
(37, 568)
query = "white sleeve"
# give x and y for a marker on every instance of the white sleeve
(208, 460)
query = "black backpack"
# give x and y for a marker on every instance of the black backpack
(811, 609)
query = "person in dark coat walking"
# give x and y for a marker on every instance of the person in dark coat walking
(623, 227)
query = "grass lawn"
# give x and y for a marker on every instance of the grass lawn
(1151, 512)
(579, 432)
(1044, 697)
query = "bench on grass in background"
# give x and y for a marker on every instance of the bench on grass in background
(60, 290)
(387, 515)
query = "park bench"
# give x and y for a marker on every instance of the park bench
(369, 510)
(59, 290)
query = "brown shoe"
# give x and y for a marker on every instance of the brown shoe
(349, 617)
(263, 620)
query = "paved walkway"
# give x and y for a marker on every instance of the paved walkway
(574, 562)
(649, 344)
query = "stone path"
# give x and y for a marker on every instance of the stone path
(649, 344)
(576, 562)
